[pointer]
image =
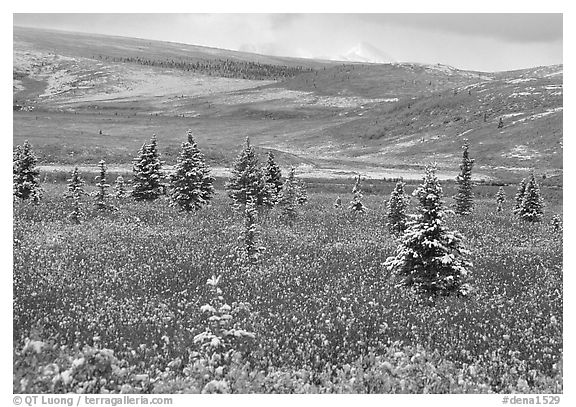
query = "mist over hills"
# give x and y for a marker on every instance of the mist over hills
(82, 97)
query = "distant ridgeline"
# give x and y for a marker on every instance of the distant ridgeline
(226, 68)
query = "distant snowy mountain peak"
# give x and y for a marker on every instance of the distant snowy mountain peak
(367, 53)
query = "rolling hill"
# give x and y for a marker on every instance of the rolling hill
(79, 98)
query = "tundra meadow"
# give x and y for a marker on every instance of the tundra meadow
(150, 299)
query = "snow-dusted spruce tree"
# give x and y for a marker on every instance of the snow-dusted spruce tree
(101, 195)
(500, 198)
(464, 197)
(532, 208)
(247, 180)
(519, 195)
(356, 204)
(147, 167)
(273, 175)
(223, 337)
(251, 249)
(288, 199)
(302, 196)
(76, 192)
(397, 209)
(120, 190)
(430, 257)
(25, 174)
(191, 185)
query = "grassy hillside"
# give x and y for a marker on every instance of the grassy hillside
(82, 97)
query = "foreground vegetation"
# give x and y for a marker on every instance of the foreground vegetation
(115, 303)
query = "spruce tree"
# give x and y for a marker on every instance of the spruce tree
(302, 197)
(273, 175)
(288, 199)
(247, 180)
(102, 194)
(191, 185)
(519, 198)
(356, 204)
(76, 192)
(464, 197)
(430, 257)
(500, 198)
(251, 249)
(26, 182)
(120, 190)
(147, 167)
(397, 206)
(532, 208)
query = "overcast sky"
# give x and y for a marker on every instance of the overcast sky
(487, 42)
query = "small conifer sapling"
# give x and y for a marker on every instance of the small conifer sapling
(356, 204)
(500, 198)
(464, 197)
(75, 193)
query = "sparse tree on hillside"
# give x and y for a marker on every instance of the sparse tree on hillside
(356, 204)
(397, 209)
(120, 190)
(147, 167)
(191, 185)
(430, 257)
(26, 177)
(500, 199)
(464, 197)
(273, 175)
(519, 196)
(247, 180)
(101, 194)
(532, 208)
(500, 123)
(76, 192)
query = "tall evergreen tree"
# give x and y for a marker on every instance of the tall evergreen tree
(147, 167)
(26, 177)
(191, 185)
(430, 257)
(397, 206)
(464, 197)
(519, 198)
(356, 204)
(273, 175)
(500, 199)
(76, 192)
(102, 194)
(532, 208)
(247, 180)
